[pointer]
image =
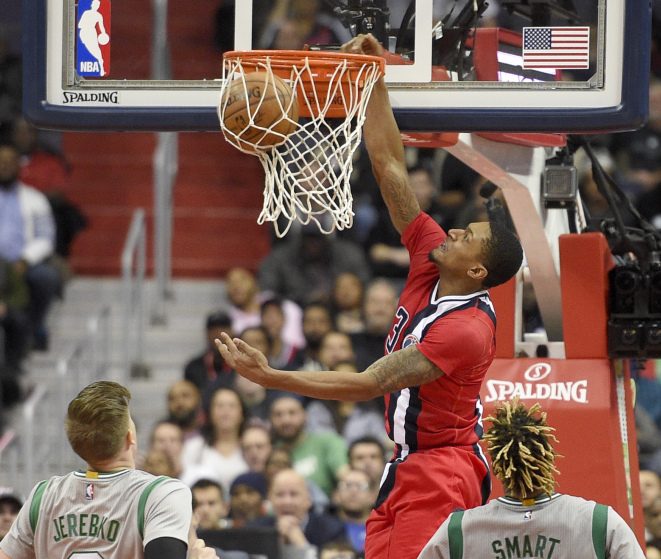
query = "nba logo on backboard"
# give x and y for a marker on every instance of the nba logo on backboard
(93, 38)
(89, 491)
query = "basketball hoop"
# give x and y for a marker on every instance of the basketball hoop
(308, 174)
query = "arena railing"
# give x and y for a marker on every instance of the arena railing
(165, 167)
(133, 262)
(42, 445)
(10, 475)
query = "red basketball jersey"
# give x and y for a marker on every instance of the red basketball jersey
(456, 333)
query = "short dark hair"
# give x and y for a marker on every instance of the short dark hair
(218, 319)
(503, 255)
(205, 483)
(276, 302)
(367, 439)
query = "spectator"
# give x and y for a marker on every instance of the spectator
(209, 506)
(348, 303)
(247, 495)
(321, 457)
(367, 454)
(388, 257)
(158, 463)
(283, 355)
(208, 371)
(40, 168)
(256, 447)
(216, 452)
(185, 407)
(27, 241)
(245, 306)
(317, 322)
(48, 171)
(295, 23)
(255, 398)
(167, 437)
(650, 487)
(304, 267)
(335, 348)
(300, 529)
(10, 504)
(379, 308)
(355, 497)
(352, 420)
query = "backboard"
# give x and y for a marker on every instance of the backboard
(530, 66)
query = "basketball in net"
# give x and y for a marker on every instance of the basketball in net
(260, 111)
(308, 161)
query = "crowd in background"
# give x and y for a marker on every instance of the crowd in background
(256, 457)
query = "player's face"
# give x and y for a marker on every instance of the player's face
(287, 418)
(209, 508)
(368, 457)
(462, 249)
(256, 447)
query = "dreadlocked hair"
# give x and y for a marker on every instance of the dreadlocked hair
(520, 448)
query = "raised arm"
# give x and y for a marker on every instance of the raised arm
(400, 369)
(384, 144)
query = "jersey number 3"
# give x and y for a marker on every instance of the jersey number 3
(402, 317)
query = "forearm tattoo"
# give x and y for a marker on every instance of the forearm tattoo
(401, 369)
(399, 198)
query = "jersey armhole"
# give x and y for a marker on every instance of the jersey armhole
(35, 505)
(142, 503)
(599, 526)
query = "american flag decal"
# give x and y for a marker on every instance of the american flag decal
(556, 47)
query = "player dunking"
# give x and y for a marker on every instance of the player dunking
(531, 520)
(110, 510)
(440, 346)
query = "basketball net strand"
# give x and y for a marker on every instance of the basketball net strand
(308, 172)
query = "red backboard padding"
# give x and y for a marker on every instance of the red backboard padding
(584, 263)
(503, 298)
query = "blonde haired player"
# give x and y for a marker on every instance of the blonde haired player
(109, 510)
(532, 520)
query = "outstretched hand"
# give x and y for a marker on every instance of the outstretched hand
(244, 359)
(363, 44)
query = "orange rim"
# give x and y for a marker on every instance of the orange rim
(323, 64)
(287, 59)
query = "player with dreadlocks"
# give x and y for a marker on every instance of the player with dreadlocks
(531, 520)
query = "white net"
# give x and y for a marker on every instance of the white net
(308, 173)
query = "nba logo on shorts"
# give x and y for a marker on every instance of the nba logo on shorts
(93, 38)
(89, 491)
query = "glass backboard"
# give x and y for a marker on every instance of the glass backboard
(462, 65)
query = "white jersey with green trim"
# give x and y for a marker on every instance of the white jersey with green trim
(557, 527)
(90, 515)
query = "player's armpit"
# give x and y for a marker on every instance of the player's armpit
(401, 369)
